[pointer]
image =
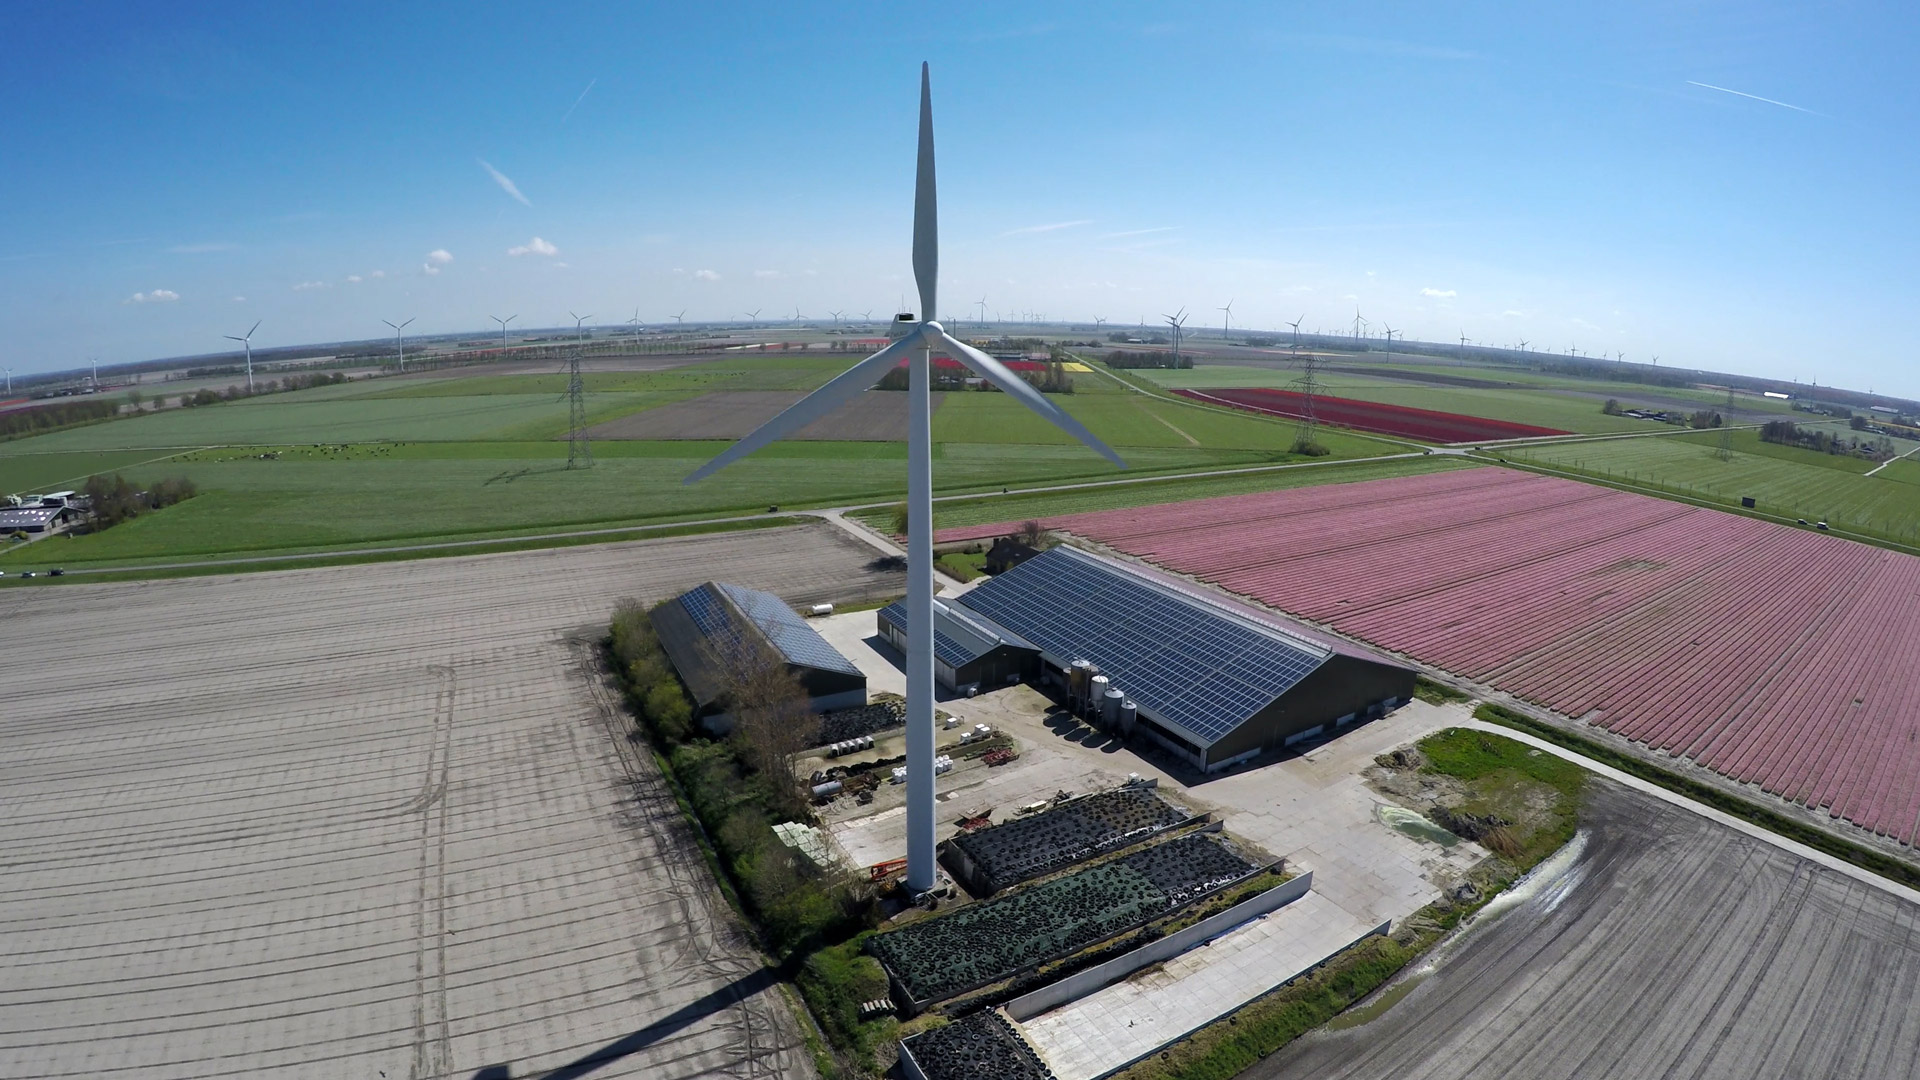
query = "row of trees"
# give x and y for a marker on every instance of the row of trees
(39, 419)
(205, 396)
(1122, 358)
(1786, 433)
(114, 499)
(739, 786)
(1054, 379)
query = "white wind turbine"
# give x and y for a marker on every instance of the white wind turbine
(916, 347)
(400, 340)
(503, 327)
(248, 342)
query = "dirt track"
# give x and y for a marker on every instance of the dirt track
(1673, 947)
(334, 822)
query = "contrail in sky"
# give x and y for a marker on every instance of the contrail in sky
(1756, 97)
(596, 78)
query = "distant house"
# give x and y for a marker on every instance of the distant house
(1008, 553)
(35, 519)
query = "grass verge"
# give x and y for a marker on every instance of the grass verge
(1486, 763)
(1819, 839)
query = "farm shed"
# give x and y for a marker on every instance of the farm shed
(969, 651)
(709, 628)
(1212, 681)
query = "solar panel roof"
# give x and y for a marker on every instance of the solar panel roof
(959, 636)
(797, 642)
(1182, 660)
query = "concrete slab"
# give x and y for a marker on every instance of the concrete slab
(1107, 1029)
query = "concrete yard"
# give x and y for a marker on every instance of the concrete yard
(1121, 1023)
(369, 820)
(1672, 946)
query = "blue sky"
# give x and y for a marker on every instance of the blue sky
(1510, 171)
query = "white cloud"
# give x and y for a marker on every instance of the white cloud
(440, 256)
(305, 285)
(378, 274)
(1439, 294)
(157, 296)
(1030, 229)
(429, 269)
(1136, 232)
(1510, 313)
(353, 279)
(561, 265)
(706, 275)
(535, 246)
(506, 184)
(679, 270)
(239, 299)
(767, 274)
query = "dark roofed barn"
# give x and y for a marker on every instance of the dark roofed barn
(707, 626)
(969, 651)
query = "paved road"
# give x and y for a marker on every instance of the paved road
(346, 821)
(1672, 947)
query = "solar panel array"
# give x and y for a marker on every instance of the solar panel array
(1181, 660)
(956, 640)
(797, 642)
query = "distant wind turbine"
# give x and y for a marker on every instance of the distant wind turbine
(503, 327)
(754, 316)
(577, 320)
(1296, 328)
(923, 335)
(246, 341)
(1226, 318)
(399, 340)
(1389, 331)
(982, 305)
(635, 323)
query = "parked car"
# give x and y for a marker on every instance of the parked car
(56, 572)
(26, 573)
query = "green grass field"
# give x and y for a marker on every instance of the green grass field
(1783, 480)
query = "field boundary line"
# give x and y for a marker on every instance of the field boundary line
(1690, 500)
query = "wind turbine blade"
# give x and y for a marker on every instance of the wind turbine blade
(926, 213)
(995, 372)
(843, 388)
(256, 326)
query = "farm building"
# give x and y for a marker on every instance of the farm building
(1215, 682)
(969, 652)
(43, 518)
(709, 629)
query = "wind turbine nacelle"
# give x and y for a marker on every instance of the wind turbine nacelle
(903, 324)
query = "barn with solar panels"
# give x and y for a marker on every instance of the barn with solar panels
(1149, 653)
(969, 653)
(707, 628)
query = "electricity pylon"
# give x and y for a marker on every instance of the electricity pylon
(579, 453)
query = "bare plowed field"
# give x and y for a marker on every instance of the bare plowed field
(1776, 656)
(875, 416)
(369, 819)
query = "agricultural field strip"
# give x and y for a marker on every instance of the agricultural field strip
(1589, 600)
(220, 825)
(1762, 964)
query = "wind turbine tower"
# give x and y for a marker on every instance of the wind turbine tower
(399, 340)
(503, 327)
(1296, 329)
(1226, 319)
(1390, 331)
(1177, 322)
(922, 335)
(247, 342)
(982, 305)
(1358, 322)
